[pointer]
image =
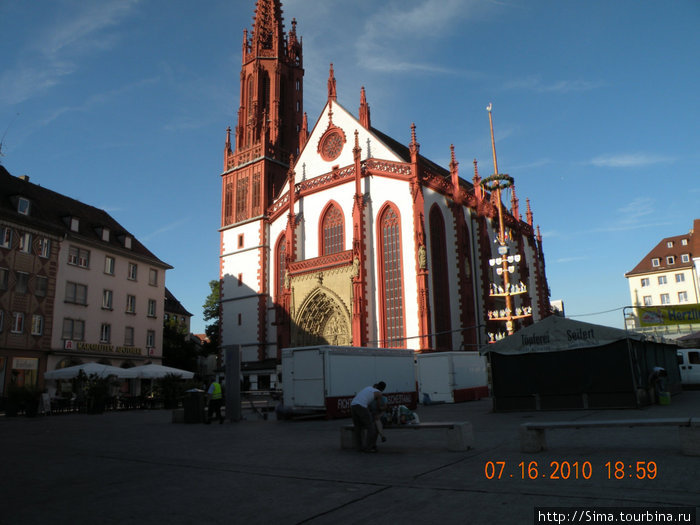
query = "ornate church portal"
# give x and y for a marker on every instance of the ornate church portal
(322, 320)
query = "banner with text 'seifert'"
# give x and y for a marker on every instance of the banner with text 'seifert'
(669, 315)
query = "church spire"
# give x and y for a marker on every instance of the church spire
(364, 109)
(332, 95)
(268, 36)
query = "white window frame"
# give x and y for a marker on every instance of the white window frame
(109, 265)
(105, 333)
(150, 338)
(37, 324)
(151, 308)
(670, 259)
(669, 244)
(680, 277)
(685, 257)
(132, 272)
(130, 304)
(23, 206)
(662, 280)
(6, 237)
(645, 282)
(655, 262)
(647, 300)
(683, 297)
(25, 242)
(684, 242)
(107, 299)
(17, 322)
(665, 298)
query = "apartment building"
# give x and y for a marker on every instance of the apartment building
(75, 286)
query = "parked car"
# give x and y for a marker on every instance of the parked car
(689, 364)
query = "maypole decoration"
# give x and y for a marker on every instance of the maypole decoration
(504, 262)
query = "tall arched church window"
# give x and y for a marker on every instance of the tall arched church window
(281, 266)
(441, 288)
(332, 231)
(249, 90)
(391, 279)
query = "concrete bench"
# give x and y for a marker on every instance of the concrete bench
(460, 435)
(532, 435)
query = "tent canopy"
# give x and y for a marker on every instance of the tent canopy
(89, 369)
(556, 334)
(154, 371)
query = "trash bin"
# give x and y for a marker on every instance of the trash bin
(193, 403)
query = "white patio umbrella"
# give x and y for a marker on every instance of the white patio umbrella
(154, 371)
(89, 368)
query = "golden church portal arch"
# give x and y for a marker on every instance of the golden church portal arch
(322, 319)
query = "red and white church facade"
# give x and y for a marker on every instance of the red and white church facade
(343, 235)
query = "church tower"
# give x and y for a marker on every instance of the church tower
(256, 163)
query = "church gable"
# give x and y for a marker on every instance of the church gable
(332, 140)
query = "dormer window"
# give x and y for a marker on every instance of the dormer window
(655, 262)
(670, 259)
(669, 244)
(74, 224)
(127, 242)
(23, 206)
(105, 234)
(684, 242)
(685, 257)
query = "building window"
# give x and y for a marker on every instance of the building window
(129, 336)
(240, 240)
(73, 329)
(332, 226)
(150, 338)
(17, 323)
(78, 257)
(281, 266)
(105, 333)
(645, 282)
(4, 278)
(25, 243)
(107, 299)
(242, 198)
(153, 277)
(440, 280)
(680, 277)
(5, 237)
(669, 244)
(44, 247)
(23, 206)
(647, 300)
(655, 262)
(151, 308)
(41, 286)
(22, 281)
(74, 224)
(240, 279)
(670, 259)
(682, 297)
(684, 242)
(685, 258)
(391, 279)
(665, 298)
(109, 265)
(662, 279)
(37, 324)
(133, 269)
(76, 293)
(240, 319)
(130, 304)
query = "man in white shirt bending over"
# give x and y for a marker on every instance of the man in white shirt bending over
(362, 419)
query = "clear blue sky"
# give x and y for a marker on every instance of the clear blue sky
(124, 105)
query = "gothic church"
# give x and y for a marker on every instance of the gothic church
(343, 235)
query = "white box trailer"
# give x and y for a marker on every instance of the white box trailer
(326, 378)
(689, 365)
(452, 377)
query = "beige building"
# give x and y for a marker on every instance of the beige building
(667, 276)
(75, 287)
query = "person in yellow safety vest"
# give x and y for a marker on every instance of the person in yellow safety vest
(216, 399)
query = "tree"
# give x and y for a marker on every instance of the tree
(178, 350)
(212, 313)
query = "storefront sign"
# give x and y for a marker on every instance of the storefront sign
(25, 363)
(669, 315)
(101, 348)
